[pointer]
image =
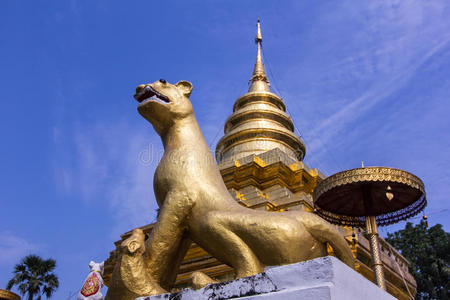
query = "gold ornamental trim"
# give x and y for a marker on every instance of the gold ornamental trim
(287, 138)
(251, 97)
(239, 118)
(369, 174)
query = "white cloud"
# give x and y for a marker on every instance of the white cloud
(380, 90)
(113, 165)
(346, 76)
(14, 248)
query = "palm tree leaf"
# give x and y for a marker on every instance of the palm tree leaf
(11, 283)
(48, 291)
(20, 268)
(23, 288)
(49, 264)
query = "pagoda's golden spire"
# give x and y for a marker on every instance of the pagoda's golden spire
(259, 81)
(259, 122)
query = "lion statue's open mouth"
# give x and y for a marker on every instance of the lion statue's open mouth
(145, 94)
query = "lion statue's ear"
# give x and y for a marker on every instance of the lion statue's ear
(133, 246)
(185, 86)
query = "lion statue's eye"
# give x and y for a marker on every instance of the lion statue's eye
(163, 81)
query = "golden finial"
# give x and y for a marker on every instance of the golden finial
(259, 81)
(258, 38)
(425, 219)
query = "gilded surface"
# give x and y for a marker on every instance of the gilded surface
(340, 197)
(200, 279)
(372, 231)
(8, 295)
(130, 278)
(369, 174)
(195, 205)
(259, 122)
(283, 178)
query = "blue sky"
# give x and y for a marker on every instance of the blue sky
(363, 81)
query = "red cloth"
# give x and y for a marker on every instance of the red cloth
(91, 286)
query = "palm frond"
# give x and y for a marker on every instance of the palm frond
(33, 277)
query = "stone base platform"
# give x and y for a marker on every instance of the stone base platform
(319, 279)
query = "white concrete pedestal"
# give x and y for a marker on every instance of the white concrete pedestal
(318, 279)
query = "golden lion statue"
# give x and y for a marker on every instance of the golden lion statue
(195, 205)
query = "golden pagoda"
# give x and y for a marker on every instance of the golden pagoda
(259, 122)
(261, 162)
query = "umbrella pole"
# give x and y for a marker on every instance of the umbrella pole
(372, 231)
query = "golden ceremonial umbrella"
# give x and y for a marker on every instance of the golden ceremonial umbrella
(370, 197)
